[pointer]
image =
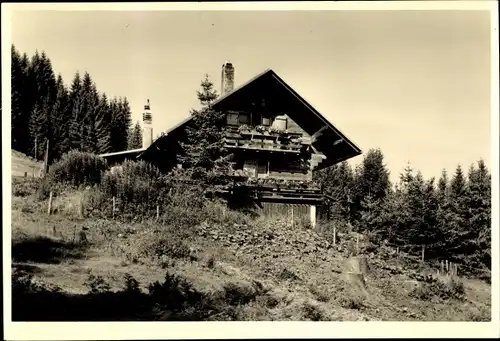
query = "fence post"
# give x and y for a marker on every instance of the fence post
(334, 235)
(157, 212)
(423, 253)
(114, 207)
(357, 243)
(397, 251)
(447, 267)
(442, 266)
(49, 210)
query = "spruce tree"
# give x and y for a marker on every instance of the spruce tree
(19, 116)
(77, 112)
(135, 136)
(61, 118)
(371, 179)
(204, 153)
(103, 125)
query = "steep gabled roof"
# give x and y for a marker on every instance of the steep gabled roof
(327, 138)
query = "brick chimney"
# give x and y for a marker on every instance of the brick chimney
(227, 78)
(147, 126)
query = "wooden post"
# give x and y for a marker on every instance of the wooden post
(114, 207)
(357, 243)
(334, 235)
(25, 174)
(447, 267)
(442, 267)
(46, 160)
(397, 251)
(157, 212)
(423, 253)
(49, 210)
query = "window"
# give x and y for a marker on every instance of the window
(232, 119)
(250, 166)
(266, 121)
(244, 119)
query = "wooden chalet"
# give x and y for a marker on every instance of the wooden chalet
(277, 139)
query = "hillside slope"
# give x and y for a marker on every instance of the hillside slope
(251, 270)
(22, 164)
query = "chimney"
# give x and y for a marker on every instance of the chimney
(147, 129)
(227, 78)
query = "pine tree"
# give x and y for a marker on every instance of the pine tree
(77, 112)
(43, 85)
(205, 154)
(337, 183)
(103, 125)
(477, 238)
(120, 123)
(61, 118)
(135, 137)
(89, 110)
(372, 179)
(20, 113)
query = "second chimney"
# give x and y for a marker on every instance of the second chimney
(147, 130)
(227, 78)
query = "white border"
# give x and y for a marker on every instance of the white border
(186, 330)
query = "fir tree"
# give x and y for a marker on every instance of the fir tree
(205, 154)
(103, 125)
(61, 118)
(372, 178)
(135, 137)
(20, 112)
(77, 112)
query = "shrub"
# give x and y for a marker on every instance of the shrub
(22, 187)
(97, 284)
(313, 312)
(239, 293)
(157, 246)
(78, 168)
(137, 186)
(321, 294)
(450, 288)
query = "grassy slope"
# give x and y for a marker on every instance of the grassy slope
(311, 287)
(23, 164)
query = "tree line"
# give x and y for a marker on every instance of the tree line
(450, 218)
(78, 117)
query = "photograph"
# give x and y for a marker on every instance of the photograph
(251, 163)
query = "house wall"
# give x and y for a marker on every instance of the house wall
(295, 212)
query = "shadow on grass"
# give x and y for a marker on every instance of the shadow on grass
(45, 250)
(174, 299)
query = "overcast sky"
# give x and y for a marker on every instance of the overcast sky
(414, 83)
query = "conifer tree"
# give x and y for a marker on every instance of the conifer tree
(120, 123)
(103, 125)
(205, 154)
(135, 136)
(61, 118)
(77, 112)
(371, 179)
(337, 183)
(20, 111)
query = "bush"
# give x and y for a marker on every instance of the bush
(78, 168)
(450, 288)
(137, 186)
(22, 187)
(157, 246)
(97, 284)
(313, 312)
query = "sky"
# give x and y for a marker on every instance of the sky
(415, 84)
